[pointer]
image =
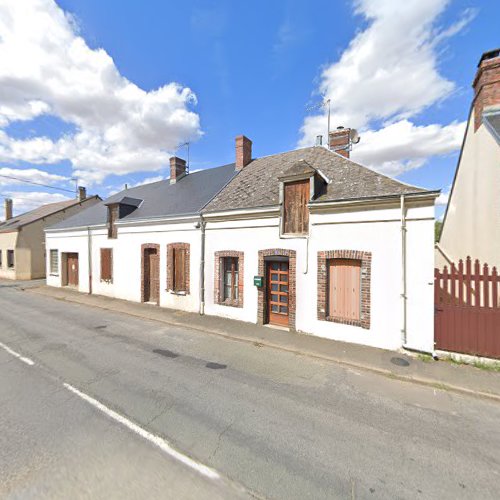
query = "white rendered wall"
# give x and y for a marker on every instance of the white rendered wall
(375, 231)
(127, 260)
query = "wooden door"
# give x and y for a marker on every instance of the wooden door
(277, 293)
(72, 269)
(151, 275)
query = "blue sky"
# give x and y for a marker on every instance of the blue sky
(81, 92)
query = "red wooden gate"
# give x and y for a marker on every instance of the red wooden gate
(467, 309)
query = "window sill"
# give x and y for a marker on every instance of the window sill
(181, 294)
(345, 321)
(296, 236)
(54, 275)
(230, 304)
(109, 282)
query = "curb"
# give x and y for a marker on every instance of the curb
(263, 343)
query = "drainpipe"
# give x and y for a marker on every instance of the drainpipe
(403, 271)
(306, 267)
(89, 241)
(202, 226)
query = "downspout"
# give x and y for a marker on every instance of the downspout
(89, 249)
(306, 267)
(403, 271)
(202, 266)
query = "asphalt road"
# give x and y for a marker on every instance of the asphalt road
(271, 422)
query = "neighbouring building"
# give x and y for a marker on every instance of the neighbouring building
(471, 225)
(22, 238)
(305, 240)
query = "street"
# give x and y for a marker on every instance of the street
(98, 398)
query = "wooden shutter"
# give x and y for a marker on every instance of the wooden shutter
(295, 211)
(106, 264)
(179, 269)
(344, 288)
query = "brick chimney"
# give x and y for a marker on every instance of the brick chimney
(486, 84)
(339, 141)
(8, 208)
(243, 151)
(177, 169)
(82, 193)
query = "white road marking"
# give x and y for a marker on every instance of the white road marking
(152, 438)
(28, 361)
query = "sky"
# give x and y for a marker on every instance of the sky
(101, 94)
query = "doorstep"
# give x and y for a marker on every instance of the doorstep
(399, 365)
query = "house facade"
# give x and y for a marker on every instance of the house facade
(471, 226)
(305, 240)
(22, 238)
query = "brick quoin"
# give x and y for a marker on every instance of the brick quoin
(170, 264)
(145, 246)
(322, 279)
(218, 277)
(262, 292)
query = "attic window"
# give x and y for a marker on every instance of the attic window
(295, 215)
(113, 212)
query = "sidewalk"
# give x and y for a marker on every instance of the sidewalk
(439, 374)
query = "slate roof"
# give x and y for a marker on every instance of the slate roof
(188, 196)
(257, 185)
(38, 213)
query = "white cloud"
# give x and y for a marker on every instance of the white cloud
(10, 176)
(389, 74)
(25, 201)
(47, 68)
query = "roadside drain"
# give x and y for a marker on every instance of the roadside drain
(166, 353)
(400, 362)
(215, 366)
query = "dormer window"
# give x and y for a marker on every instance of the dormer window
(299, 184)
(296, 195)
(119, 210)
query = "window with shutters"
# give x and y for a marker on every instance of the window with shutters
(113, 211)
(228, 273)
(107, 265)
(344, 289)
(295, 215)
(54, 262)
(10, 258)
(178, 255)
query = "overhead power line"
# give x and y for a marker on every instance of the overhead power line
(37, 183)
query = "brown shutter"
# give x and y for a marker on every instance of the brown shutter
(106, 264)
(179, 269)
(344, 288)
(295, 211)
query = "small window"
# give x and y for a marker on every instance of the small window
(230, 279)
(107, 264)
(179, 271)
(10, 258)
(295, 211)
(54, 262)
(344, 289)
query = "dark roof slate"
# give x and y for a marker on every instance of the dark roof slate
(257, 184)
(187, 196)
(38, 213)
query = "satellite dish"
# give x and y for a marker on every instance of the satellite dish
(354, 136)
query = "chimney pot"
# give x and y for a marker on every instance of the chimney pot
(486, 85)
(243, 152)
(177, 169)
(8, 208)
(82, 193)
(339, 141)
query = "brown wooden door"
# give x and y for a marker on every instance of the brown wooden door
(151, 275)
(277, 293)
(72, 269)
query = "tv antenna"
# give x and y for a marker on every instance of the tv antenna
(325, 104)
(187, 148)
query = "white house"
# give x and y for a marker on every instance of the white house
(471, 226)
(305, 240)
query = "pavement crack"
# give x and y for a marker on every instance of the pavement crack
(219, 439)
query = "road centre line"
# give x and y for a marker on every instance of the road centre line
(28, 361)
(158, 441)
